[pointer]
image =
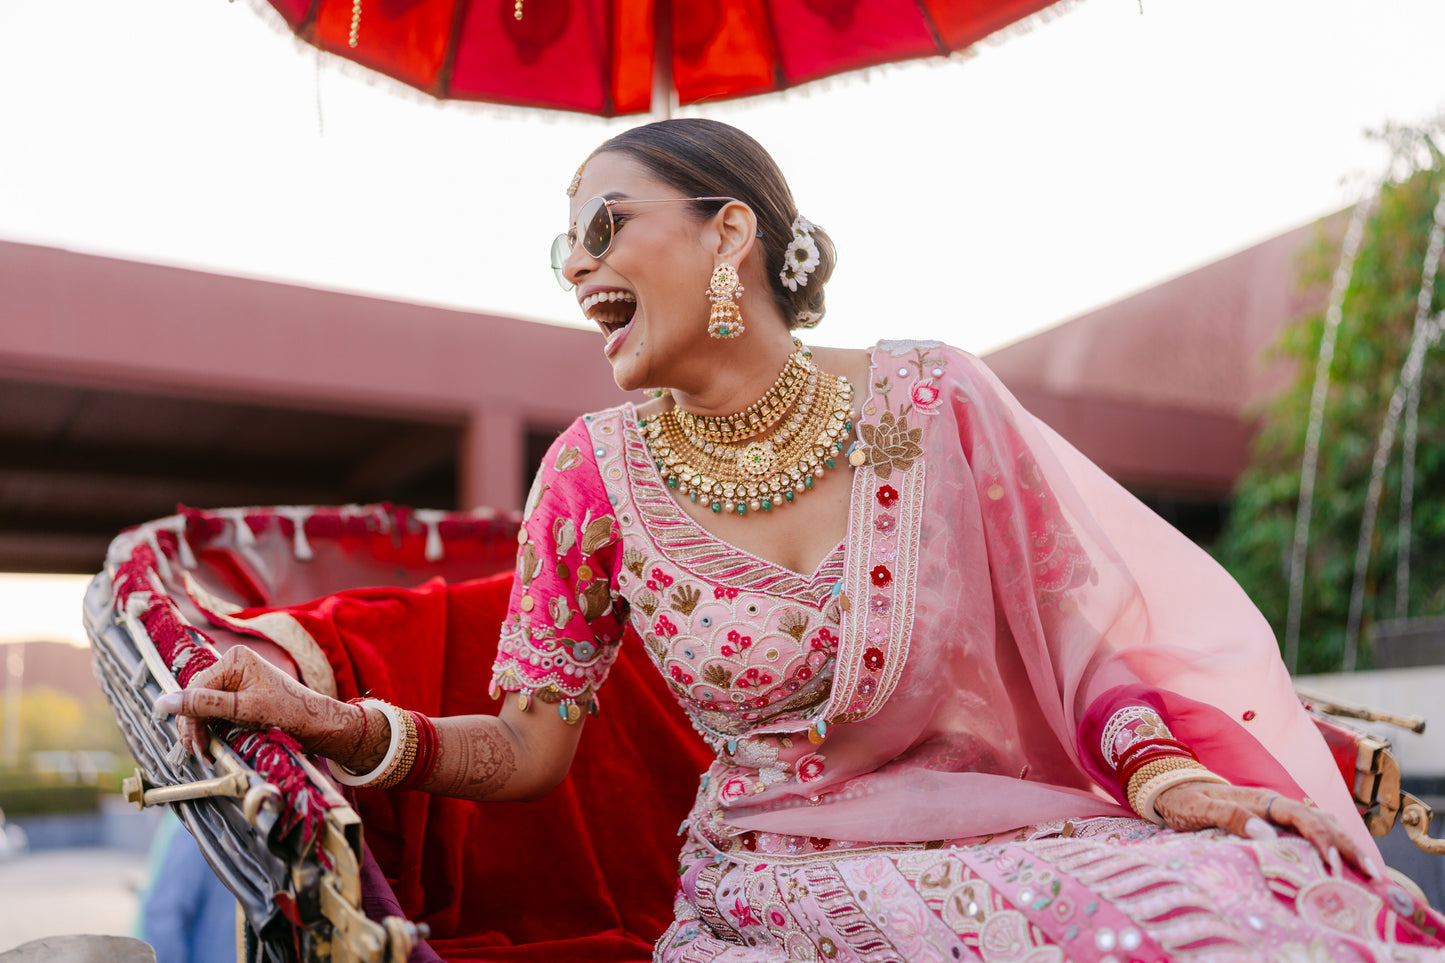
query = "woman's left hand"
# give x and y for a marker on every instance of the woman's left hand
(1254, 813)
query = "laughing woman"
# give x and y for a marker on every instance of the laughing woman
(969, 699)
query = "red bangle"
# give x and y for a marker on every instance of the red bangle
(426, 753)
(1144, 745)
(1141, 759)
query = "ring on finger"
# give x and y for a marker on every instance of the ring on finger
(1267, 806)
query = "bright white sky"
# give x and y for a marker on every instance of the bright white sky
(975, 200)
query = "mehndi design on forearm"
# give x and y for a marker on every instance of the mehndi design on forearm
(475, 758)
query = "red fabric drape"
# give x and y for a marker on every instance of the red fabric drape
(586, 874)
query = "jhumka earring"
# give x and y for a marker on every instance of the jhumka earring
(726, 321)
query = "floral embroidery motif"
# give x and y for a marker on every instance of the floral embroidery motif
(887, 495)
(664, 627)
(753, 677)
(880, 575)
(925, 395)
(810, 767)
(1128, 726)
(734, 788)
(873, 659)
(743, 914)
(892, 444)
(884, 523)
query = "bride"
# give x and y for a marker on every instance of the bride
(968, 698)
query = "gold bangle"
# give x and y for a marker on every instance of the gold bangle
(1154, 768)
(1154, 788)
(397, 742)
(406, 758)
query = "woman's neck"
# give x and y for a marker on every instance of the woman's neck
(735, 376)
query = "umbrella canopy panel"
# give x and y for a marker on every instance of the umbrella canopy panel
(597, 56)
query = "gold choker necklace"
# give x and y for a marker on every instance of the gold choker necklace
(763, 474)
(757, 417)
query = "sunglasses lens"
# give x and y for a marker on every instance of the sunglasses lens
(594, 227)
(561, 250)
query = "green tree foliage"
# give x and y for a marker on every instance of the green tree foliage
(52, 721)
(1372, 342)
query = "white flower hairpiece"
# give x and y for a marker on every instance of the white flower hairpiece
(801, 257)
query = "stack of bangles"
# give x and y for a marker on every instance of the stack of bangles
(1150, 766)
(411, 754)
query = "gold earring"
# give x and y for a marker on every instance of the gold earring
(726, 321)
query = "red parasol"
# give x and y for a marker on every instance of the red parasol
(597, 56)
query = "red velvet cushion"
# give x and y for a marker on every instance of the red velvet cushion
(586, 874)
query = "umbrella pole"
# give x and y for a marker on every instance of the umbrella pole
(662, 90)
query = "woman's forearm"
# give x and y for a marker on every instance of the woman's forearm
(480, 757)
(514, 755)
(477, 757)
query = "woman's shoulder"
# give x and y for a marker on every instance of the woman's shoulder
(571, 462)
(924, 364)
(583, 425)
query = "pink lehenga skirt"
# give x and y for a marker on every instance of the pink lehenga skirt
(1097, 890)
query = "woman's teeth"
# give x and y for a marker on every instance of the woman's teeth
(600, 306)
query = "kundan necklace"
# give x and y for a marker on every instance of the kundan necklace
(711, 459)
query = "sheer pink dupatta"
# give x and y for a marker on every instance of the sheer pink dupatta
(1019, 621)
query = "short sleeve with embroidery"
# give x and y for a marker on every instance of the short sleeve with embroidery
(563, 623)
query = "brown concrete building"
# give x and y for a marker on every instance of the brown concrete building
(1162, 389)
(127, 387)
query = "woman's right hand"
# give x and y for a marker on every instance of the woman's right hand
(244, 688)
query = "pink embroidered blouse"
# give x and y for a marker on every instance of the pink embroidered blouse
(975, 657)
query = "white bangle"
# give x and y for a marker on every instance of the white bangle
(388, 761)
(1151, 790)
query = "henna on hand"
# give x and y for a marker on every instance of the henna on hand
(1254, 813)
(478, 757)
(244, 688)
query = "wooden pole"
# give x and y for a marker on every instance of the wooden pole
(663, 94)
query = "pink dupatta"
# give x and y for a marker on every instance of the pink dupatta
(990, 626)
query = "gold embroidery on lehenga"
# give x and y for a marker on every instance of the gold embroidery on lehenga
(892, 444)
(568, 458)
(685, 598)
(564, 535)
(635, 560)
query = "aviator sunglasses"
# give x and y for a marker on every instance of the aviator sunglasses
(596, 229)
